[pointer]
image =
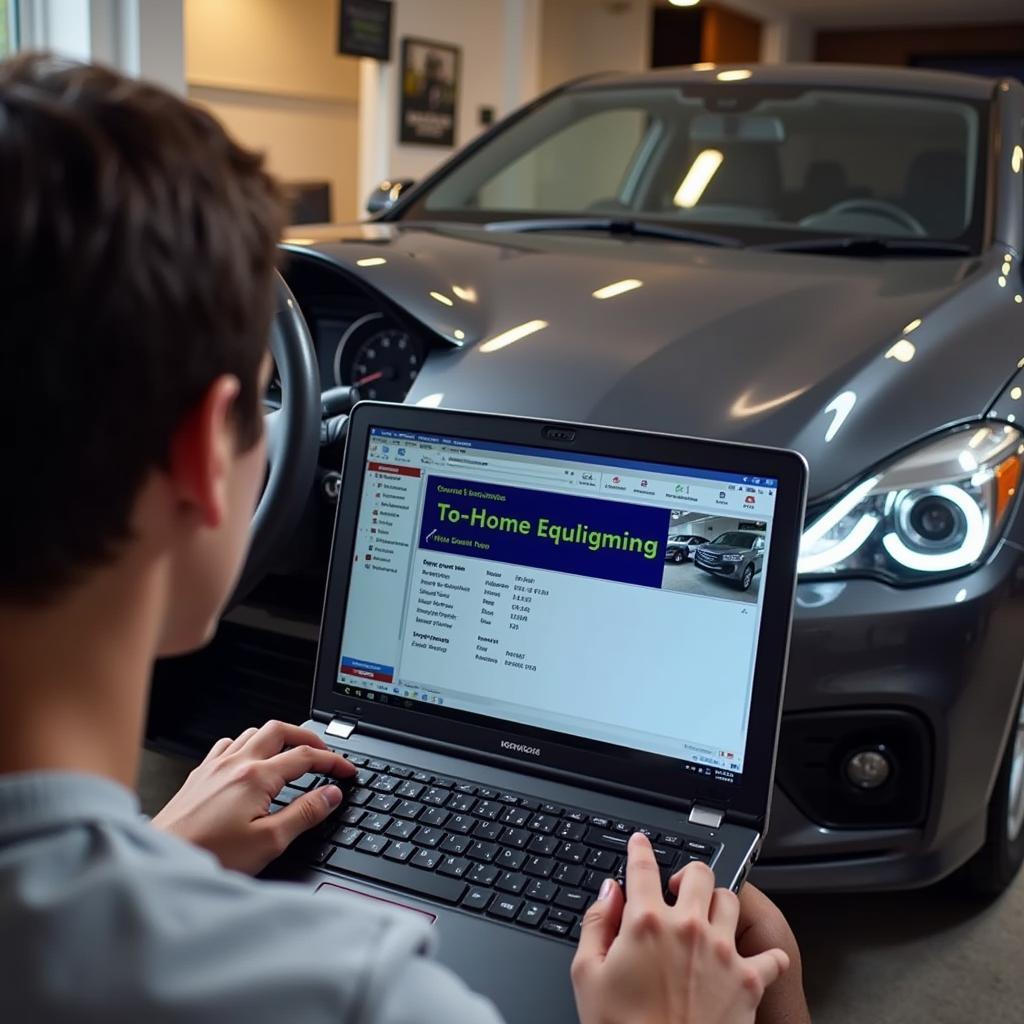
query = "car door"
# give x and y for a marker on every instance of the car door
(758, 553)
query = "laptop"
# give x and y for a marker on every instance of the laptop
(526, 667)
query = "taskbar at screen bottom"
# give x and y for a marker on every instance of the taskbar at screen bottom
(401, 695)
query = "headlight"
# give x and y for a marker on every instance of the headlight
(936, 510)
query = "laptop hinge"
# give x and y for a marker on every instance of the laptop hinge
(340, 728)
(706, 816)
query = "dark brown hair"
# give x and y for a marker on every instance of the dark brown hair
(137, 248)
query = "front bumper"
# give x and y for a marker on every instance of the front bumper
(949, 656)
(727, 570)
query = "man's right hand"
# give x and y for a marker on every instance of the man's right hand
(641, 961)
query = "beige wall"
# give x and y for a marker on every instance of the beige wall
(269, 70)
(580, 37)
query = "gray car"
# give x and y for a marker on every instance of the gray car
(734, 557)
(819, 257)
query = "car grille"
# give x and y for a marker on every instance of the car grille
(708, 558)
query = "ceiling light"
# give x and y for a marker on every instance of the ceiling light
(912, 326)
(903, 351)
(442, 298)
(466, 294)
(299, 241)
(684, 3)
(698, 177)
(371, 261)
(704, 66)
(609, 291)
(513, 334)
(1017, 160)
(738, 75)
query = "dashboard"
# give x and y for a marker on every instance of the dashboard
(361, 339)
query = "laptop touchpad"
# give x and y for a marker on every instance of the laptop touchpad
(330, 890)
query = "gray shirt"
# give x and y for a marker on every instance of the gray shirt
(105, 918)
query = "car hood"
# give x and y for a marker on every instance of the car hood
(795, 350)
(724, 549)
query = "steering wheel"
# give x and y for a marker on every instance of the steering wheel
(878, 207)
(293, 440)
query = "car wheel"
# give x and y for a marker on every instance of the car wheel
(677, 557)
(748, 578)
(996, 864)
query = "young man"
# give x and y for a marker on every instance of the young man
(137, 248)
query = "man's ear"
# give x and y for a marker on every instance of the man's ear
(202, 451)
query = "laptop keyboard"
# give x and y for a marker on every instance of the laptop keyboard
(509, 856)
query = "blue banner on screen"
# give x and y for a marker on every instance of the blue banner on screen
(609, 540)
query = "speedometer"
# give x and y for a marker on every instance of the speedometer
(381, 360)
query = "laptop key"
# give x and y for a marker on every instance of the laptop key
(576, 815)
(573, 899)
(422, 777)
(477, 898)
(606, 840)
(592, 880)
(572, 853)
(428, 836)
(465, 787)
(454, 866)
(460, 802)
(304, 782)
(543, 823)
(511, 860)
(371, 843)
(357, 759)
(487, 794)
(694, 846)
(400, 773)
(435, 796)
(398, 876)
(401, 829)
(382, 802)
(532, 914)
(384, 784)
(568, 874)
(409, 809)
(347, 836)
(555, 928)
(364, 777)
(399, 850)
(456, 844)
(565, 916)
(516, 817)
(512, 882)
(488, 829)
(508, 798)
(358, 796)
(409, 790)
(505, 907)
(435, 816)
(572, 830)
(375, 822)
(539, 889)
(574, 934)
(425, 859)
(483, 874)
(463, 823)
(377, 766)
(352, 815)
(669, 839)
(488, 809)
(483, 851)
(603, 860)
(443, 780)
(517, 837)
(600, 823)
(539, 867)
(544, 845)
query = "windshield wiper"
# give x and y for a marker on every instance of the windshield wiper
(615, 226)
(862, 245)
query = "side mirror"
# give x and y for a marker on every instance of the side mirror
(386, 194)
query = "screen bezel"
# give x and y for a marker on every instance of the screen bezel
(650, 773)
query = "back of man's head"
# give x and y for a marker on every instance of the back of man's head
(137, 247)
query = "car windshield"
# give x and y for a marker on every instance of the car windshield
(759, 164)
(736, 540)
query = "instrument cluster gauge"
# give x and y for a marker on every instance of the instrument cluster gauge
(379, 358)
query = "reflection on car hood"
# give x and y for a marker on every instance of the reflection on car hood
(800, 351)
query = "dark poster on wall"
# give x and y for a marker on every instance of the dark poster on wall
(430, 85)
(364, 28)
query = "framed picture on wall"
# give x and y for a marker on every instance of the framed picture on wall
(430, 90)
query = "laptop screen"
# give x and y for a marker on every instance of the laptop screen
(605, 599)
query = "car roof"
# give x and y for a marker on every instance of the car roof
(866, 76)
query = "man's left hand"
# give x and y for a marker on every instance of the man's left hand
(223, 805)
